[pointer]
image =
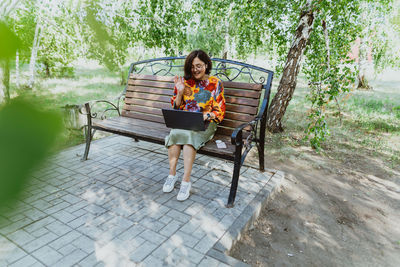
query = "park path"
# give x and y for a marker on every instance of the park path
(110, 210)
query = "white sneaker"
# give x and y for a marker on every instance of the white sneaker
(184, 192)
(169, 184)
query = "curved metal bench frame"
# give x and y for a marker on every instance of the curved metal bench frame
(223, 70)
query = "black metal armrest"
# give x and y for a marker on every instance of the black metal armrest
(263, 108)
(88, 106)
(237, 133)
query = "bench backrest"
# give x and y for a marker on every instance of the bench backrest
(146, 95)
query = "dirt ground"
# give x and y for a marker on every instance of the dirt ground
(328, 212)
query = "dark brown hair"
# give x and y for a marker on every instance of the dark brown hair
(189, 60)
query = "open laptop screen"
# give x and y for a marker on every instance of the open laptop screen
(180, 119)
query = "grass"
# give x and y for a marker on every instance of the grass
(370, 123)
(370, 127)
(91, 82)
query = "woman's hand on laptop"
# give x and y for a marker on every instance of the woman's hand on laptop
(208, 116)
(179, 84)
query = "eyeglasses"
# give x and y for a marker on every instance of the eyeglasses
(198, 67)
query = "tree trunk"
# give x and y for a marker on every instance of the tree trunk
(46, 64)
(362, 66)
(6, 79)
(17, 69)
(35, 47)
(288, 81)
(123, 76)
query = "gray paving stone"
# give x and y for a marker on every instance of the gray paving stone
(180, 216)
(189, 253)
(58, 228)
(176, 259)
(79, 221)
(21, 237)
(40, 242)
(63, 216)
(143, 251)
(170, 228)
(67, 249)
(209, 262)
(187, 240)
(47, 255)
(225, 259)
(71, 259)
(57, 207)
(132, 232)
(152, 236)
(152, 224)
(12, 227)
(71, 199)
(26, 261)
(84, 243)
(163, 251)
(151, 261)
(11, 253)
(205, 244)
(90, 260)
(65, 239)
(39, 232)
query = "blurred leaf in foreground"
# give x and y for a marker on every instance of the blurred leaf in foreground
(27, 135)
(9, 42)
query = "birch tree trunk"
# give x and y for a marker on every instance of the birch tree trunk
(288, 81)
(362, 65)
(2, 89)
(17, 69)
(35, 47)
(6, 79)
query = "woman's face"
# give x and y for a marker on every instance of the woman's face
(198, 69)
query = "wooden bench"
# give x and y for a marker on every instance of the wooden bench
(145, 95)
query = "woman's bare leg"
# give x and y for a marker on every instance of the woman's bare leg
(173, 155)
(189, 154)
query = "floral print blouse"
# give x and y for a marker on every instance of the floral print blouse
(203, 96)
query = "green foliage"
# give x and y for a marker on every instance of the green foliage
(162, 24)
(26, 138)
(8, 48)
(108, 33)
(23, 21)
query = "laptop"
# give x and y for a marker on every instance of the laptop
(187, 120)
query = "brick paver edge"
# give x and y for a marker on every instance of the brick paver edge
(245, 221)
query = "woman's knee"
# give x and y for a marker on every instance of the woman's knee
(189, 146)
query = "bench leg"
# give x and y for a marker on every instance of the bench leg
(89, 136)
(235, 177)
(261, 146)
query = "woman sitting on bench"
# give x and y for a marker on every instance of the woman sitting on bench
(196, 92)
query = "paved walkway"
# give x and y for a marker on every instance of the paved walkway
(110, 210)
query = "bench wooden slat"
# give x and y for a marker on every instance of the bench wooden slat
(245, 86)
(158, 106)
(166, 101)
(241, 93)
(161, 98)
(168, 92)
(150, 90)
(146, 103)
(151, 77)
(136, 130)
(242, 109)
(151, 83)
(241, 101)
(157, 112)
(141, 116)
(170, 79)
